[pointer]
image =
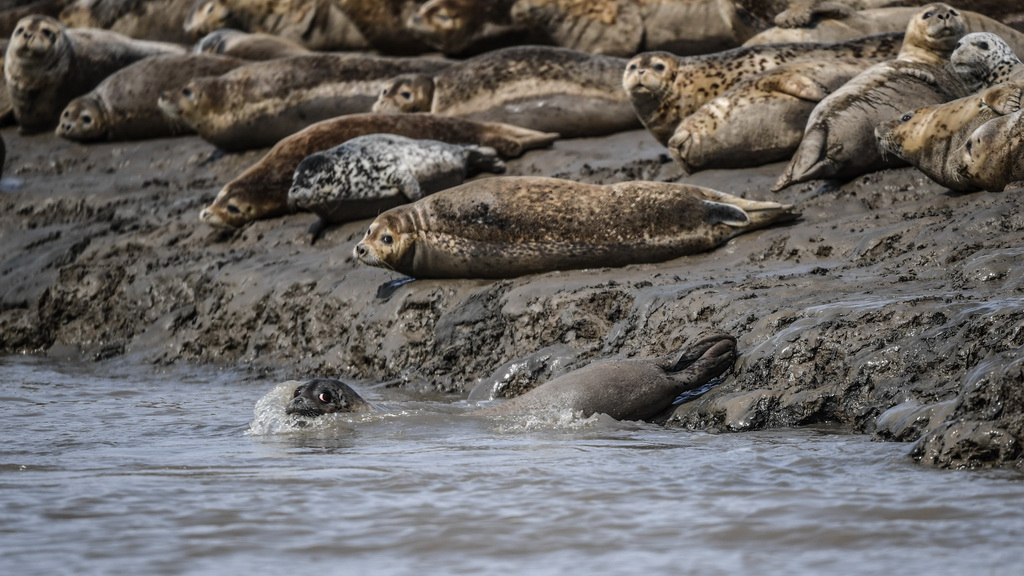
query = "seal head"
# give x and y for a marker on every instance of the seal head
(325, 396)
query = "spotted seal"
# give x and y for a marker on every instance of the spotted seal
(665, 88)
(984, 59)
(537, 87)
(248, 46)
(124, 105)
(48, 64)
(260, 103)
(839, 141)
(262, 190)
(370, 174)
(625, 389)
(315, 24)
(145, 19)
(993, 156)
(760, 119)
(504, 227)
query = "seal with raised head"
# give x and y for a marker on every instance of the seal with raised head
(984, 59)
(315, 24)
(993, 156)
(761, 119)
(625, 389)
(262, 190)
(665, 88)
(260, 103)
(370, 174)
(47, 64)
(839, 141)
(124, 106)
(504, 227)
(538, 87)
(248, 46)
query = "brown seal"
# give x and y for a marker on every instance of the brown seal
(993, 156)
(258, 104)
(144, 19)
(248, 46)
(504, 227)
(537, 87)
(839, 141)
(315, 24)
(124, 106)
(625, 389)
(262, 190)
(665, 88)
(761, 119)
(47, 64)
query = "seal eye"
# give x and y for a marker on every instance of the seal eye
(969, 145)
(632, 67)
(659, 67)
(19, 30)
(387, 239)
(405, 94)
(325, 397)
(234, 209)
(983, 45)
(48, 34)
(186, 92)
(298, 392)
(926, 15)
(86, 119)
(906, 117)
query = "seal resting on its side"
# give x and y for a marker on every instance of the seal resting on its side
(504, 227)
(538, 87)
(248, 46)
(993, 156)
(47, 64)
(633, 389)
(839, 141)
(372, 173)
(262, 190)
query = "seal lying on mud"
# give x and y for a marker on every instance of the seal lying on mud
(537, 87)
(47, 65)
(315, 24)
(623, 389)
(369, 174)
(839, 141)
(993, 156)
(504, 227)
(665, 88)
(124, 106)
(262, 190)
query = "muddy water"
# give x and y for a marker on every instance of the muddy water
(129, 469)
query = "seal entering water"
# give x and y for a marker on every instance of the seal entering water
(504, 227)
(631, 389)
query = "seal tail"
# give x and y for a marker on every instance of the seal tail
(746, 214)
(484, 159)
(512, 141)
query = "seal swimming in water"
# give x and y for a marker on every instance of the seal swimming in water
(761, 119)
(504, 227)
(372, 173)
(538, 87)
(48, 64)
(664, 88)
(124, 106)
(258, 104)
(632, 389)
(839, 141)
(262, 190)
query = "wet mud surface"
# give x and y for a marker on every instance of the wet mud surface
(894, 307)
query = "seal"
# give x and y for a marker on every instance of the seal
(930, 137)
(47, 65)
(316, 24)
(665, 88)
(258, 104)
(992, 156)
(538, 87)
(839, 141)
(145, 19)
(504, 227)
(626, 389)
(461, 27)
(760, 119)
(370, 174)
(262, 190)
(124, 105)
(983, 59)
(256, 46)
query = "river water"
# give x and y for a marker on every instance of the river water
(110, 468)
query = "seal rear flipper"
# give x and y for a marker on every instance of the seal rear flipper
(512, 141)
(722, 208)
(483, 159)
(808, 162)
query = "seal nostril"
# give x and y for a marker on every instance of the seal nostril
(361, 250)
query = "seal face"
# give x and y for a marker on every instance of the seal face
(371, 173)
(325, 396)
(510, 226)
(839, 141)
(262, 190)
(983, 59)
(992, 158)
(538, 87)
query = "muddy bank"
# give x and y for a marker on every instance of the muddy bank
(894, 307)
